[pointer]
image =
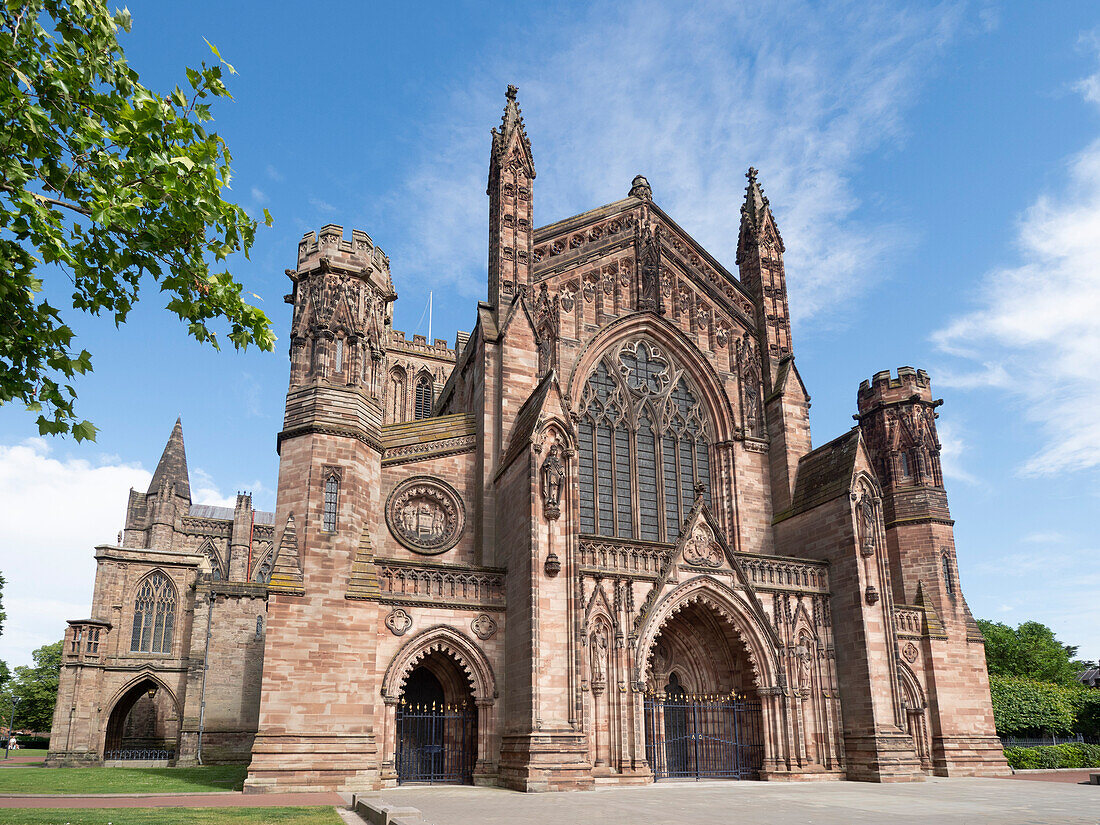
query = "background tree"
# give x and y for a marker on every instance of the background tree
(111, 185)
(36, 687)
(1030, 650)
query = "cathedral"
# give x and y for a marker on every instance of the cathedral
(590, 543)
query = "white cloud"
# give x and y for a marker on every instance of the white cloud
(690, 96)
(321, 205)
(275, 174)
(953, 445)
(54, 511)
(1035, 334)
(259, 196)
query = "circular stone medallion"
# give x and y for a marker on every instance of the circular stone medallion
(425, 514)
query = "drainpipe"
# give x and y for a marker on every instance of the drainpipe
(205, 667)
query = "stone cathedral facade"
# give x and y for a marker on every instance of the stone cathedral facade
(591, 543)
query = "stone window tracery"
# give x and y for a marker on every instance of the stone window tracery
(643, 446)
(397, 395)
(424, 399)
(154, 615)
(332, 493)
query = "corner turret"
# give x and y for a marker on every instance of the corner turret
(511, 195)
(760, 264)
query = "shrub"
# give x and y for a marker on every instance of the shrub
(1073, 755)
(1023, 707)
(40, 742)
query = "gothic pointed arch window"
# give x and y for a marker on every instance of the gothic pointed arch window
(643, 448)
(332, 496)
(154, 615)
(396, 392)
(948, 574)
(424, 397)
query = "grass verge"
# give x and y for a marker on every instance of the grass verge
(170, 816)
(81, 781)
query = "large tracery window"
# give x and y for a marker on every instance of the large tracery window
(643, 447)
(154, 615)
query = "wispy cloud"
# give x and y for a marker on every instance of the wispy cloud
(953, 446)
(321, 205)
(691, 96)
(1035, 332)
(275, 174)
(259, 196)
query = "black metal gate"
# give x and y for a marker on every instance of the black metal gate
(703, 737)
(436, 743)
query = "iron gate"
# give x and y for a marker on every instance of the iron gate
(701, 737)
(436, 743)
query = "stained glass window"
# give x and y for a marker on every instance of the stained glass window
(643, 447)
(154, 615)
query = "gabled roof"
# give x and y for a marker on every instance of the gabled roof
(527, 419)
(825, 473)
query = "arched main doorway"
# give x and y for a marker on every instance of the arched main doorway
(436, 724)
(143, 725)
(703, 716)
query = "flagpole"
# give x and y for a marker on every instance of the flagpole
(429, 318)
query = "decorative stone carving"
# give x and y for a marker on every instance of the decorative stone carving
(871, 594)
(483, 626)
(399, 621)
(553, 477)
(425, 514)
(552, 565)
(867, 526)
(910, 652)
(701, 548)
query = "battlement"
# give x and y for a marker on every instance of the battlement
(419, 345)
(358, 255)
(885, 388)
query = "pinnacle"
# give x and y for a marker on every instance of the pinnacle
(172, 467)
(640, 188)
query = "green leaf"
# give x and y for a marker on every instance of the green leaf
(184, 161)
(84, 431)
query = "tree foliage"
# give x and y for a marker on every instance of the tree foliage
(1031, 651)
(1074, 755)
(112, 185)
(36, 689)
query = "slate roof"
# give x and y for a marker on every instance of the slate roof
(426, 430)
(825, 473)
(226, 513)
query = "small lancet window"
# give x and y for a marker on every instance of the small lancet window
(424, 399)
(948, 575)
(332, 492)
(154, 615)
(903, 465)
(339, 365)
(259, 627)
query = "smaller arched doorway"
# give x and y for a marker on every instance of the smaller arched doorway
(436, 724)
(143, 725)
(703, 716)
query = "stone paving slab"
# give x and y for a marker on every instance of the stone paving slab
(217, 799)
(939, 801)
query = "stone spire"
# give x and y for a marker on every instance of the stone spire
(172, 468)
(760, 264)
(511, 198)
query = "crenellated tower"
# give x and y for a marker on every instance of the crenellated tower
(897, 416)
(511, 195)
(760, 265)
(328, 505)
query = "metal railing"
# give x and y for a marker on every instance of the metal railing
(1049, 739)
(136, 754)
(693, 737)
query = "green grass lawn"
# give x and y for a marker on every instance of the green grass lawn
(170, 816)
(121, 780)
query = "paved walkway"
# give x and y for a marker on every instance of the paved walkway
(218, 799)
(939, 801)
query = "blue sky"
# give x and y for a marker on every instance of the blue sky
(934, 169)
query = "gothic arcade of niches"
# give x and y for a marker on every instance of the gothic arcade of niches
(588, 544)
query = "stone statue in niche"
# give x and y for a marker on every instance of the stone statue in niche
(867, 526)
(425, 514)
(804, 662)
(553, 478)
(599, 656)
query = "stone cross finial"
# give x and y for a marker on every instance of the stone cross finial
(512, 92)
(751, 174)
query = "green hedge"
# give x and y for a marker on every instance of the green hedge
(1024, 707)
(1074, 755)
(40, 742)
